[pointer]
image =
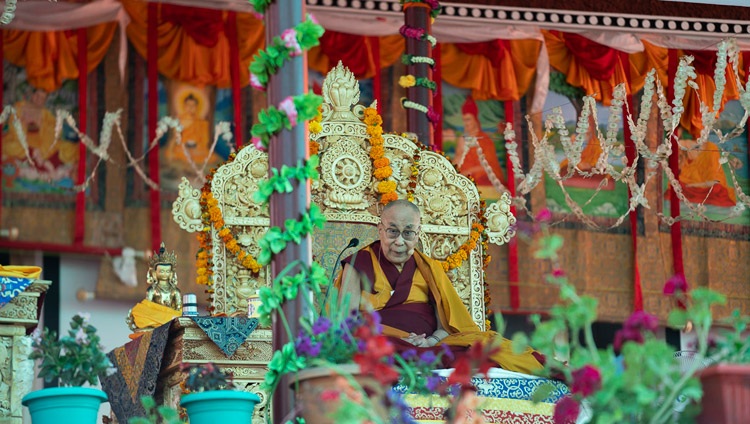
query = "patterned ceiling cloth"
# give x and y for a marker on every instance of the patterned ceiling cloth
(138, 364)
(228, 333)
(11, 287)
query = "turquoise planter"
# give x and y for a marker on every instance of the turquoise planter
(64, 404)
(220, 406)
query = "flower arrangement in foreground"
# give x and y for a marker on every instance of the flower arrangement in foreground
(636, 379)
(75, 359)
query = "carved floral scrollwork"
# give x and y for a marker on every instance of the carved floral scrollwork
(186, 210)
(500, 221)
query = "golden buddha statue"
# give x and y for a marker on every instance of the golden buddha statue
(163, 300)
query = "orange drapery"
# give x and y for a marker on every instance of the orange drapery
(507, 82)
(182, 58)
(51, 57)
(575, 72)
(391, 49)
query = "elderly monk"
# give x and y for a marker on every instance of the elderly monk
(416, 301)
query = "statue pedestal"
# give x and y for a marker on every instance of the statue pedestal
(16, 369)
(188, 344)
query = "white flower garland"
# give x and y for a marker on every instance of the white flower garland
(9, 12)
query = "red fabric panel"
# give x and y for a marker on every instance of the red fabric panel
(493, 50)
(746, 62)
(704, 61)
(349, 49)
(598, 60)
(374, 43)
(438, 100)
(674, 165)
(515, 295)
(153, 105)
(83, 71)
(234, 71)
(630, 153)
(202, 25)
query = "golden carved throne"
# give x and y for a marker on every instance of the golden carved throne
(346, 193)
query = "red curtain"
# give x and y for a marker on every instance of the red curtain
(599, 60)
(202, 25)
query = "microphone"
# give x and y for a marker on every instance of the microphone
(354, 242)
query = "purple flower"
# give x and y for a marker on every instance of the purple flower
(305, 347)
(676, 284)
(321, 326)
(409, 354)
(361, 345)
(427, 357)
(432, 383)
(447, 352)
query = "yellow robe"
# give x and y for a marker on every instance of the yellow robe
(706, 168)
(453, 315)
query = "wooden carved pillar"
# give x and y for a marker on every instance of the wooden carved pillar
(417, 15)
(288, 148)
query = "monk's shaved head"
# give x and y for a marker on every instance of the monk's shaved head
(401, 203)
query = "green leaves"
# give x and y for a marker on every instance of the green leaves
(75, 359)
(156, 415)
(275, 240)
(549, 245)
(309, 33)
(284, 361)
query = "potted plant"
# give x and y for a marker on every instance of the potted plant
(211, 397)
(75, 359)
(338, 355)
(637, 379)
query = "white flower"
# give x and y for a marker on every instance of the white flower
(36, 335)
(287, 106)
(289, 37)
(85, 316)
(81, 336)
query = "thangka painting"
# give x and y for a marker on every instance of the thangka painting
(710, 176)
(472, 136)
(200, 145)
(45, 174)
(602, 200)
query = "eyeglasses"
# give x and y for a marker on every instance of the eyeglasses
(408, 235)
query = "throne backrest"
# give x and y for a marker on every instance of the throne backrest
(347, 194)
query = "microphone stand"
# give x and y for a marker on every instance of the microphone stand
(354, 242)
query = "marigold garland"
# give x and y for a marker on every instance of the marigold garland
(381, 165)
(315, 127)
(457, 258)
(225, 234)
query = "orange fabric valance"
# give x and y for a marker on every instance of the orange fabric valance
(355, 52)
(199, 62)
(51, 57)
(578, 73)
(508, 80)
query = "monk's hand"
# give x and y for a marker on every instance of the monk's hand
(416, 339)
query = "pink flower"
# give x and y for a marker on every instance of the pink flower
(289, 37)
(566, 411)
(558, 273)
(258, 143)
(432, 115)
(676, 284)
(330, 395)
(287, 106)
(313, 19)
(544, 215)
(257, 15)
(634, 327)
(255, 83)
(586, 380)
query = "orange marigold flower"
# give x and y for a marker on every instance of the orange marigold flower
(214, 213)
(382, 173)
(387, 198)
(382, 162)
(201, 271)
(376, 152)
(212, 202)
(218, 224)
(386, 186)
(231, 245)
(224, 233)
(241, 255)
(375, 131)
(314, 148)
(445, 266)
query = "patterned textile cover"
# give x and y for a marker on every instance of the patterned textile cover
(11, 287)
(138, 363)
(504, 398)
(228, 333)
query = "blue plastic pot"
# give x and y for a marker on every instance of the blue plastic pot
(220, 406)
(70, 404)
